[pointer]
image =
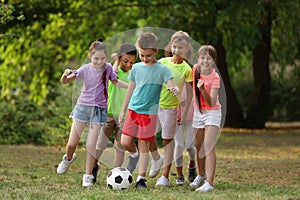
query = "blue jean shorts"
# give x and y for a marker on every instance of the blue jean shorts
(89, 114)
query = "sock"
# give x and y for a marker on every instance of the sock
(139, 178)
(135, 154)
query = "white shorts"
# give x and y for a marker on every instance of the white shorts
(206, 118)
(167, 121)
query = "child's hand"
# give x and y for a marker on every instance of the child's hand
(114, 56)
(200, 84)
(67, 72)
(121, 117)
(174, 90)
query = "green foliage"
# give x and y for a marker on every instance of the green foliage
(23, 122)
(40, 39)
(285, 94)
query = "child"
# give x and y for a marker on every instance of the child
(184, 139)
(142, 99)
(91, 107)
(124, 60)
(207, 116)
(180, 50)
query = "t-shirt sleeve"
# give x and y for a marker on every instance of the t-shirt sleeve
(167, 74)
(131, 74)
(80, 73)
(216, 81)
(189, 75)
(112, 73)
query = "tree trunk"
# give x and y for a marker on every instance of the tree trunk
(258, 109)
(234, 114)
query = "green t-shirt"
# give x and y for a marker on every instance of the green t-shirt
(182, 73)
(116, 94)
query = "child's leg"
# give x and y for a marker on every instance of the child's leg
(91, 148)
(189, 142)
(154, 150)
(211, 136)
(119, 149)
(144, 157)
(128, 143)
(179, 148)
(200, 154)
(105, 133)
(75, 134)
(169, 153)
(168, 120)
(101, 144)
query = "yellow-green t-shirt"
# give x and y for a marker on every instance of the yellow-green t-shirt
(182, 73)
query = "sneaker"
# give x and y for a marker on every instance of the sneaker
(132, 163)
(197, 181)
(64, 164)
(87, 180)
(141, 184)
(163, 181)
(180, 180)
(205, 187)
(192, 174)
(156, 166)
(95, 172)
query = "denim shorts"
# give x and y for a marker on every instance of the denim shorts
(89, 114)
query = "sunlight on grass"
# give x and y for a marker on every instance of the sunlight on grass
(249, 166)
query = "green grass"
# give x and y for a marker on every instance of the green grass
(249, 166)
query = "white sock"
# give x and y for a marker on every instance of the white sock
(135, 154)
(139, 178)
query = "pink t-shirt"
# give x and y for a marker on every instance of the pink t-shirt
(94, 84)
(210, 81)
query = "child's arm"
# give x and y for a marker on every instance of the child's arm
(68, 76)
(120, 83)
(187, 102)
(172, 87)
(210, 99)
(126, 100)
(114, 56)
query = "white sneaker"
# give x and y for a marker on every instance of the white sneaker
(205, 187)
(156, 166)
(64, 164)
(197, 181)
(163, 181)
(87, 180)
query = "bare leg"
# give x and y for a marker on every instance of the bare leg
(154, 150)
(91, 148)
(75, 134)
(200, 154)
(144, 157)
(128, 143)
(169, 153)
(119, 149)
(211, 136)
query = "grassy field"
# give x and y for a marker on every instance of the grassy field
(250, 165)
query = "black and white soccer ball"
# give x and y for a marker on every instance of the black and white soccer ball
(119, 178)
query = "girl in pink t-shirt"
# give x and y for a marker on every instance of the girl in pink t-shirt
(207, 116)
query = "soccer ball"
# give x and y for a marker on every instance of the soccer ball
(119, 178)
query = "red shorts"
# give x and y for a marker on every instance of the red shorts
(141, 126)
